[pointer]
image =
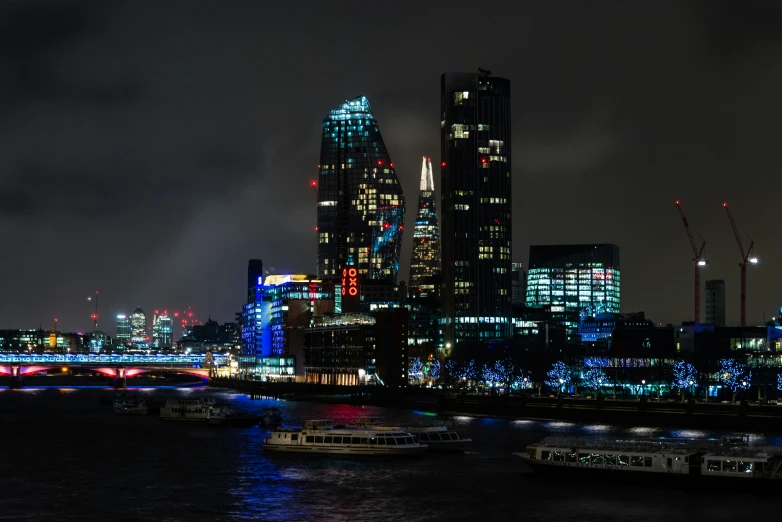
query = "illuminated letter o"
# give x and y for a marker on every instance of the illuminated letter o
(353, 291)
(352, 272)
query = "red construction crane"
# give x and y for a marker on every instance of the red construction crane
(698, 260)
(746, 258)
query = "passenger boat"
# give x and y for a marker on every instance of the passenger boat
(437, 438)
(132, 405)
(220, 415)
(725, 461)
(271, 417)
(322, 437)
(186, 409)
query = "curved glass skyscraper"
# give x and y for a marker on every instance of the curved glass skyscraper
(361, 207)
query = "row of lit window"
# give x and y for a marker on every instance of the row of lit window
(501, 201)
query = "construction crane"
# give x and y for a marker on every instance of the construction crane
(698, 260)
(747, 257)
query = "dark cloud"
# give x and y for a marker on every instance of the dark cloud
(148, 149)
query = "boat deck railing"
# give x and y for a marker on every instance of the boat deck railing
(691, 445)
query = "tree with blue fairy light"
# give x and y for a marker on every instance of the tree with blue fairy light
(415, 369)
(433, 370)
(558, 377)
(779, 381)
(685, 377)
(734, 376)
(595, 378)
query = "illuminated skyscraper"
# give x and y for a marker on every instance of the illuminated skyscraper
(574, 281)
(425, 262)
(123, 331)
(475, 138)
(361, 207)
(162, 330)
(138, 329)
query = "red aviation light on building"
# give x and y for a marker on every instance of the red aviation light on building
(386, 226)
(313, 184)
(316, 229)
(176, 314)
(443, 164)
(379, 162)
(483, 160)
(392, 165)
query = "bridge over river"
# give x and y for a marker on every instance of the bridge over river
(117, 366)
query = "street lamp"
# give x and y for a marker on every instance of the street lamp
(643, 386)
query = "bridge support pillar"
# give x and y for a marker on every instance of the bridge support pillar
(119, 380)
(16, 382)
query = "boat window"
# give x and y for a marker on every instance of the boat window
(434, 436)
(318, 440)
(559, 456)
(355, 440)
(611, 460)
(637, 461)
(545, 455)
(571, 457)
(364, 441)
(390, 441)
(381, 441)
(409, 440)
(328, 440)
(583, 458)
(669, 463)
(623, 460)
(445, 436)
(372, 441)
(597, 459)
(729, 465)
(423, 436)
(295, 436)
(310, 438)
(715, 465)
(759, 466)
(455, 436)
(279, 435)
(647, 462)
(745, 467)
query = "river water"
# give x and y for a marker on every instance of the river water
(67, 457)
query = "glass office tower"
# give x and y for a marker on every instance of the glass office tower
(361, 206)
(475, 137)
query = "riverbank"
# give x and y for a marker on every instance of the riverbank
(690, 415)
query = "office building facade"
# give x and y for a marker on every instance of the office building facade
(138, 329)
(715, 302)
(162, 330)
(574, 282)
(361, 206)
(123, 331)
(475, 173)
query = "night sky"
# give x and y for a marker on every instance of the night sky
(148, 149)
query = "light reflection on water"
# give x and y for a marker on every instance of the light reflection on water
(189, 471)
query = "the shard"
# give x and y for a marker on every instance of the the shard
(425, 261)
(361, 207)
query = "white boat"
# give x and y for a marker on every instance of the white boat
(437, 438)
(130, 406)
(186, 409)
(715, 461)
(321, 437)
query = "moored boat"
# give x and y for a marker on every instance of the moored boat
(714, 461)
(186, 409)
(220, 415)
(438, 438)
(132, 405)
(271, 417)
(322, 437)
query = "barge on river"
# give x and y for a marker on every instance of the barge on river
(716, 461)
(321, 437)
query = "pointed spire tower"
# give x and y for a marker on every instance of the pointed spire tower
(425, 262)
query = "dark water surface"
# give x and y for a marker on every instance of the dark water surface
(66, 457)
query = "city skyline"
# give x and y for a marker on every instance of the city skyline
(231, 173)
